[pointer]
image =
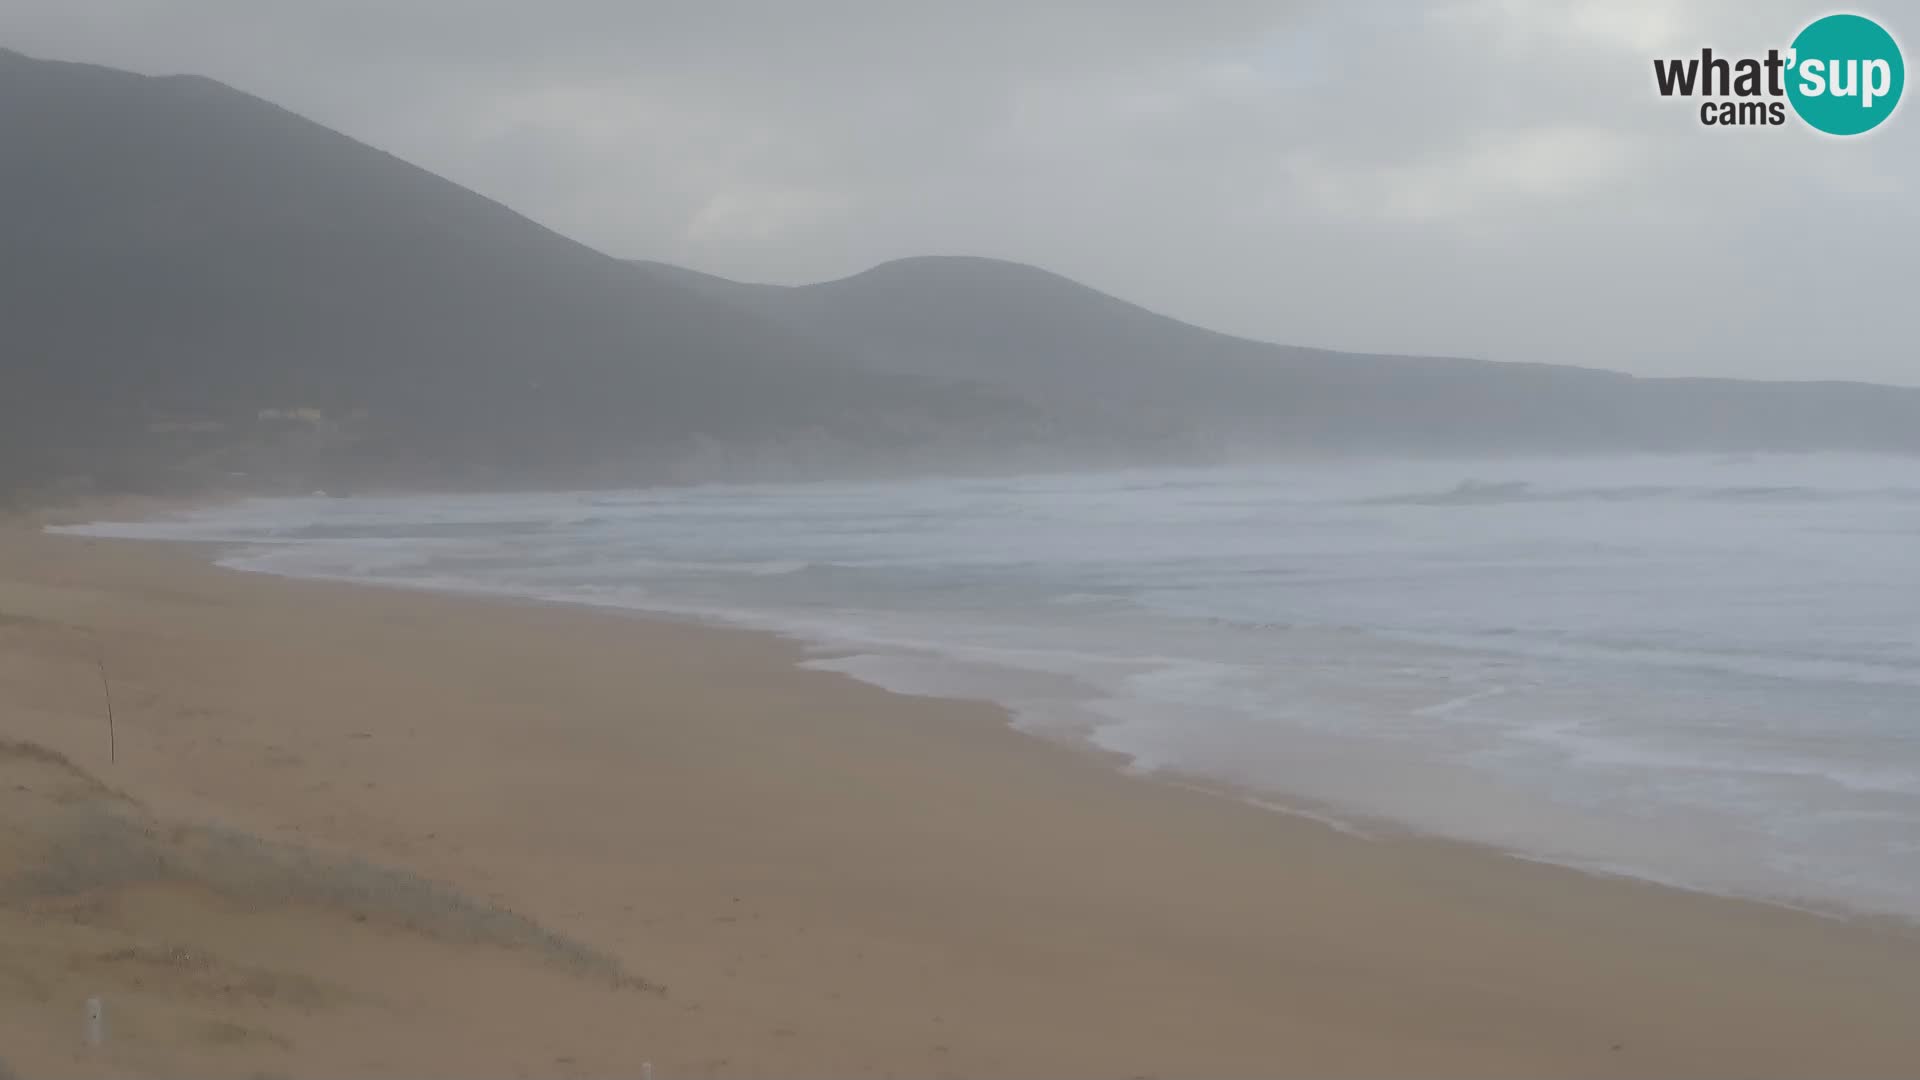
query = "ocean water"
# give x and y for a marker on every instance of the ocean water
(1703, 671)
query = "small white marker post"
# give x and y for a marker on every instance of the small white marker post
(96, 1022)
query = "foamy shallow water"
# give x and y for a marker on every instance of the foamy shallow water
(1703, 671)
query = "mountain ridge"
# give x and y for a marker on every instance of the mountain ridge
(178, 253)
(1031, 333)
(201, 287)
(719, 285)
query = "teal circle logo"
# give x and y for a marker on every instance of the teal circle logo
(1845, 75)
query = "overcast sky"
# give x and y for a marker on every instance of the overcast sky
(1492, 178)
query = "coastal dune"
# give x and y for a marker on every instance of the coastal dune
(352, 831)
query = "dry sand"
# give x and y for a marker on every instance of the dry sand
(359, 832)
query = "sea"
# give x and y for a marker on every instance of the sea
(1702, 671)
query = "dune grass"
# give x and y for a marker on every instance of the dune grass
(105, 844)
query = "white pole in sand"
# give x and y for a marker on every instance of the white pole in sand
(96, 1022)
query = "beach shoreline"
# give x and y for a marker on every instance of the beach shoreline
(823, 877)
(839, 656)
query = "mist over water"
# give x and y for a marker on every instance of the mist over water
(1700, 670)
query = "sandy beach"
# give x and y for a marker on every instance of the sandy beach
(345, 831)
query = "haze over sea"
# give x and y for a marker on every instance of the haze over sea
(1704, 671)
